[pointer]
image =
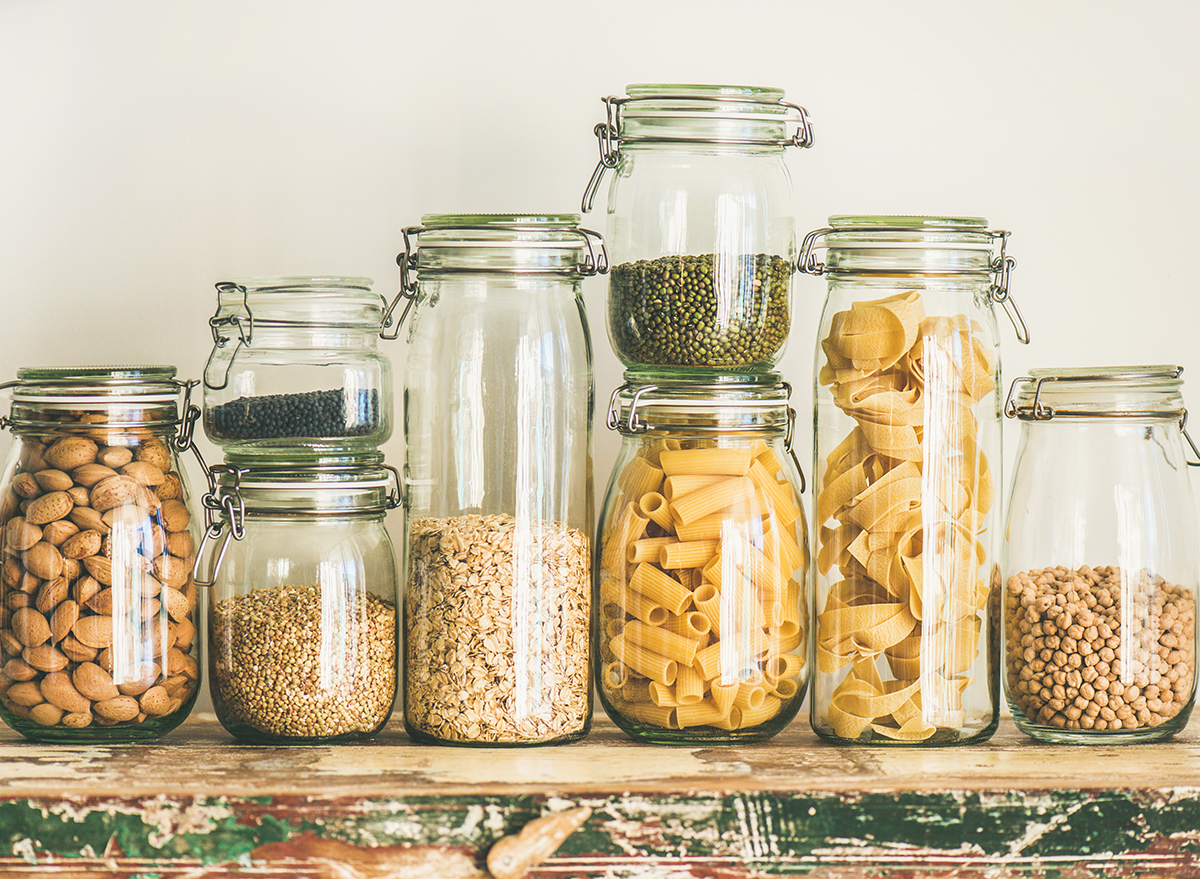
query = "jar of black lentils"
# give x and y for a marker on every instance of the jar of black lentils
(1100, 563)
(295, 364)
(700, 226)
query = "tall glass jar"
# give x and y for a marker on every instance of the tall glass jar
(907, 456)
(98, 614)
(1100, 557)
(700, 226)
(302, 629)
(498, 419)
(701, 614)
(295, 362)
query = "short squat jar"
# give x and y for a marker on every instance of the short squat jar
(498, 420)
(701, 607)
(700, 225)
(98, 609)
(1100, 557)
(907, 457)
(302, 632)
(295, 364)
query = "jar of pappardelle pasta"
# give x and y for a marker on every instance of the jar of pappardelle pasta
(701, 612)
(907, 455)
(1100, 560)
(700, 226)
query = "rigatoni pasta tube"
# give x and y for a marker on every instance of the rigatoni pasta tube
(718, 496)
(654, 507)
(662, 695)
(630, 525)
(692, 625)
(689, 686)
(778, 494)
(660, 588)
(708, 602)
(646, 549)
(654, 715)
(702, 713)
(668, 644)
(719, 461)
(678, 486)
(754, 716)
(645, 662)
(639, 477)
(689, 554)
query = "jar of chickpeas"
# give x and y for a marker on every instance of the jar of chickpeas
(701, 564)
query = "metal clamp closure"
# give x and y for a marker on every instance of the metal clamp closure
(608, 134)
(395, 497)
(234, 513)
(633, 424)
(787, 440)
(1036, 410)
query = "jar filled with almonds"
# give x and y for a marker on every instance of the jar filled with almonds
(1100, 563)
(906, 459)
(98, 614)
(701, 612)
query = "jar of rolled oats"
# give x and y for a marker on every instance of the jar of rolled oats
(498, 482)
(1100, 558)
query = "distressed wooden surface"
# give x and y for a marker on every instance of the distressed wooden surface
(199, 805)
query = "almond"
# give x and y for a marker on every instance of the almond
(172, 571)
(65, 616)
(76, 651)
(46, 714)
(182, 545)
(154, 541)
(90, 474)
(9, 643)
(185, 633)
(178, 607)
(25, 693)
(113, 492)
(58, 532)
(120, 708)
(52, 593)
(70, 452)
(82, 545)
(29, 584)
(101, 602)
(20, 535)
(88, 519)
(155, 702)
(144, 473)
(78, 720)
(171, 488)
(114, 456)
(43, 560)
(18, 600)
(19, 670)
(25, 485)
(53, 480)
(84, 588)
(45, 657)
(11, 573)
(31, 455)
(94, 631)
(71, 569)
(94, 682)
(174, 685)
(58, 690)
(154, 451)
(30, 627)
(100, 568)
(139, 679)
(175, 515)
(78, 495)
(48, 508)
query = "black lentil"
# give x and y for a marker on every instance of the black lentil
(676, 311)
(312, 414)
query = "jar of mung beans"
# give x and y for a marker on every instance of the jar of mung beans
(1100, 556)
(700, 225)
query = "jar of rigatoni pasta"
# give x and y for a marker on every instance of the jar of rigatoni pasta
(700, 604)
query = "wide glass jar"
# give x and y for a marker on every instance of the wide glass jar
(98, 615)
(302, 629)
(295, 362)
(701, 228)
(498, 420)
(1100, 557)
(701, 615)
(907, 457)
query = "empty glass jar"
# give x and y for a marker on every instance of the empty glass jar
(701, 615)
(906, 455)
(295, 363)
(302, 628)
(498, 419)
(700, 225)
(1100, 557)
(98, 609)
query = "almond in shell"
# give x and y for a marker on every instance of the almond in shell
(175, 515)
(78, 495)
(121, 708)
(77, 720)
(25, 693)
(89, 520)
(144, 676)
(52, 593)
(19, 670)
(82, 545)
(25, 485)
(172, 571)
(9, 644)
(113, 492)
(48, 508)
(43, 560)
(178, 606)
(155, 702)
(145, 473)
(64, 618)
(182, 545)
(45, 657)
(59, 690)
(75, 651)
(94, 682)
(94, 631)
(171, 488)
(30, 627)
(90, 474)
(70, 452)
(53, 480)
(100, 568)
(84, 588)
(46, 714)
(59, 532)
(20, 534)
(114, 456)
(154, 451)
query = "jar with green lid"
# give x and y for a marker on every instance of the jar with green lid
(1100, 556)
(700, 225)
(498, 420)
(907, 457)
(302, 628)
(98, 609)
(295, 362)
(701, 619)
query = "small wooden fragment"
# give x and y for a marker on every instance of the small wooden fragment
(512, 856)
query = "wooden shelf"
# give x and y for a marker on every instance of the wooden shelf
(198, 804)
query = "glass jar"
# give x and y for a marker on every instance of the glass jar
(98, 614)
(907, 456)
(303, 368)
(302, 631)
(1100, 558)
(701, 226)
(498, 419)
(701, 613)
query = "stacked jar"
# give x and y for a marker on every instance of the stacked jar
(702, 549)
(302, 626)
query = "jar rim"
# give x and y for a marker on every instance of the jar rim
(1140, 391)
(701, 91)
(500, 221)
(532, 243)
(94, 384)
(746, 404)
(304, 490)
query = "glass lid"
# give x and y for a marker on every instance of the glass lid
(1153, 391)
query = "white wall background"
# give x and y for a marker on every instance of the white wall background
(149, 149)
